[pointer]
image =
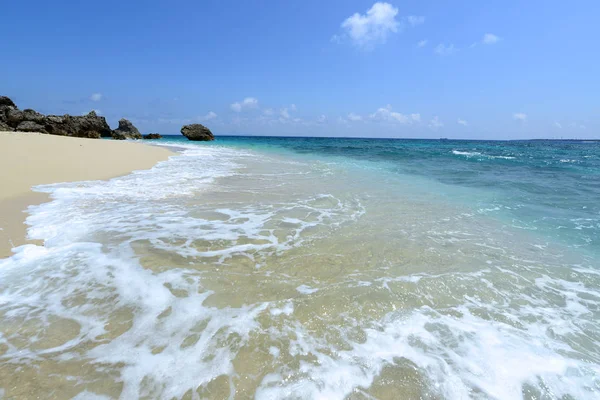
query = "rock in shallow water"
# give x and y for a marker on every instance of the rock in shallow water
(197, 132)
(153, 136)
(126, 130)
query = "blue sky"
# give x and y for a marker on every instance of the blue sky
(468, 69)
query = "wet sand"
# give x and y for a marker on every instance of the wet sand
(29, 159)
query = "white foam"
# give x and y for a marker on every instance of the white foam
(459, 357)
(305, 289)
(466, 346)
(478, 154)
(85, 395)
(466, 153)
(287, 309)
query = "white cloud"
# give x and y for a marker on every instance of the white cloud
(208, 117)
(414, 20)
(435, 123)
(490, 38)
(386, 114)
(558, 125)
(462, 122)
(247, 103)
(443, 50)
(520, 116)
(422, 43)
(354, 117)
(96, 97)
(321, 119)
(268, 111)
(372, 27)
(285, 112)
(577, 125)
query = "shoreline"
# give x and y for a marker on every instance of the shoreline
(31, 159)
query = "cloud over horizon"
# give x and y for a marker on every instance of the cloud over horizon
(386, 114)
(247, 103)
(520, 116)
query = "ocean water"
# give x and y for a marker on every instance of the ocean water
(305, 268)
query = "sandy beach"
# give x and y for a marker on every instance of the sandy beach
(29, 159)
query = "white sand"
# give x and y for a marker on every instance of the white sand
(29, 159)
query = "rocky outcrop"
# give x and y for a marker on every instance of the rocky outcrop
(126, 130)
(30, 126)
(88, 126)
(5, 101)
(5, 128)
(197, 132)
(153, 136)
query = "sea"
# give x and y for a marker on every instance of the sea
(314, 268)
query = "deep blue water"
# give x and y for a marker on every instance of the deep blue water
(551, 187)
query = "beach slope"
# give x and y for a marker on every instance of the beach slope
(29, 159)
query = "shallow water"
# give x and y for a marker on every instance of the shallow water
(314, 268)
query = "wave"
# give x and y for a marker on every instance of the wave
(470, 154)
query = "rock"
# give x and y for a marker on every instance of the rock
(6, 106)
(87, 126)
(5, 128)
(55, 119)
(117, 135)
(126, 130)
(32, 115)
(13, 116)
(90, 126)
(30, 126)
(5, 101)
(153, 136)
(3, 114)
(197, 132)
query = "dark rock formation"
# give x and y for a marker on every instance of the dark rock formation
(6, 107)
(197, 132)
(153, 136)
(5, 101)
(5, 128)
(30, 126)
(88, 126)
(126, 130)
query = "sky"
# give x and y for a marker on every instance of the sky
(415, 69)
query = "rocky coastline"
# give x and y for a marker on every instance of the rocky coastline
(91, 125)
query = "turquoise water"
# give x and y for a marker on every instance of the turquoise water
(308, 268)
(552, 187)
